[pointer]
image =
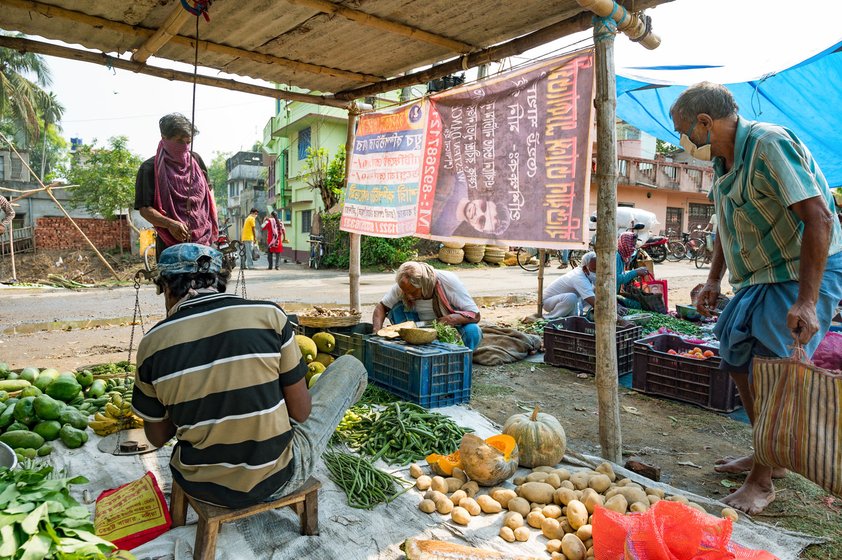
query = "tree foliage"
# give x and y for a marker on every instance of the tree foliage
(22, 79)
(218, 175)
(105, 175)
(375, 252)
(665, 148)
(326, 175)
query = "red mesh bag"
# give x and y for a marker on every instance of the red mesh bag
(667, 531)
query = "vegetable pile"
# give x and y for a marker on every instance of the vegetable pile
(696, 353)
(39, 518)
(365, 485)
(448, 334)
(671, 324)
(399, 432)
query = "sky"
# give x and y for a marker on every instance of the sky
(748, 37)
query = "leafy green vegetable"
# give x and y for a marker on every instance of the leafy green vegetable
(675, 325)
(113, 368)
(448, 334)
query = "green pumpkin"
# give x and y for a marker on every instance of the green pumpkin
(540, 438)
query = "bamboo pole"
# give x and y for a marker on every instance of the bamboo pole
(541, 253)
(27, 45)
(354, 238)
(177, 18)
(12, 250)
(375, 22)
(605, 311)
(144, 33)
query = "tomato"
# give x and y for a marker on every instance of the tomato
(709, 354)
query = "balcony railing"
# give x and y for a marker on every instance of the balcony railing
(664, 174)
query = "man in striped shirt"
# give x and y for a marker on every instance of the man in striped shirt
(778, 238)
(224, 375)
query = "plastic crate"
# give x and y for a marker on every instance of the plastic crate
(431, 375)
(571, 343)
(700, 382)
(351, 340)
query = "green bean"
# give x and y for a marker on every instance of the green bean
(364, 485)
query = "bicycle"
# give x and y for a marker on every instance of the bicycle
(317, 251)
(705, 253)
(527, 258)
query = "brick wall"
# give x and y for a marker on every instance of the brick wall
(59, 233)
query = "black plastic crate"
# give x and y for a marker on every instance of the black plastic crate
(700, 382)
(571, 343)
(351, 340)
(432, 375)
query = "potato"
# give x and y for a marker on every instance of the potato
(423, 482)
(655, 492)
(697, 506)
(558, 555)
(470, 505)
(537, 477)
(460, 515)
(435, 496)
(553, 545)
(653, 499)
(563, 496)
(553, 480)
(535, 519)
(415, 471)
(679, 499)
(470, 488)
(588, 544)
(584, 532)
(600, 483)
(427, 506)
(507, 534)
(519, 505)
(538, 492)
(567, 484)
(439, 485)
(453, 484)
(590, 553)
(457, 496)
(730, 513)
(518, 480)
(580, 480)
(573, 548)
(550, 527)
(503, 496)
(444, 506)
(639, 507)
(543, 469)
(563, 474)
(577, 514)
(564, 527)
(606, 469)
(513, 520)
(488, 504)
(593, 500)
(631, 494)
(522, 534)
(617, 503)
(551, 511)
(623, 481)
(460, 474)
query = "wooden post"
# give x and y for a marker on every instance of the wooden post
(605, 310)
(541, 253)
(12, 250)
(354, 260)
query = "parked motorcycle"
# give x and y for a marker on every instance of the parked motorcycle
(656, 246)
(229, 249)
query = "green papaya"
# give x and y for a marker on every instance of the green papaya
(7, 416)
(4, 396)
(97, 388)
(47, 429)
(47, 408)
(71, 437)
(45, 450)
(23, 439)
(13, 376)
(73, 417)
(64, 388)
(85, 378)
(42, 381)
(11, 385)
(29, 374)
(15, 426)
(52, 373)
(31, 391)
(25, 411)
(29, 453)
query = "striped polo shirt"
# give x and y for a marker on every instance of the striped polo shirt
(761, 235)
(216, 367)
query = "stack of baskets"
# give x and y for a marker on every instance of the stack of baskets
(474, 253)
(452, 253)
(494, 254)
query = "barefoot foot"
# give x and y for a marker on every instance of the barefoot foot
(739, 465)
(752, 497)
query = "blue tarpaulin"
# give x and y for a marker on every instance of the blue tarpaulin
(805, 98)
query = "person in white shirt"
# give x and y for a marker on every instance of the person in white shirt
(422, 293)
(565, 296)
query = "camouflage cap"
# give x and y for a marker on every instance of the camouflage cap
(189, 258)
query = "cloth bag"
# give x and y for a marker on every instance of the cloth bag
(798, 410)
(652, 286)
(651, 294)
(133, 514)
(255, 252)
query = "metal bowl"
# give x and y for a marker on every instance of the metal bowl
(7, 456)
(418, 336)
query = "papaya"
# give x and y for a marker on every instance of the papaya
(7, 416)
(12, 385)
(25, 411)
(71, 437)
(28, 374)
(52, 373)
(4, 396)
(64, 388)
(97, 388)
(85, 378)
(31, 391)
(47, 408)
(74, 418)
(47, 429)
(23, 439)
(4, 368)
(42, 381)
(17, 426)
(44, 450)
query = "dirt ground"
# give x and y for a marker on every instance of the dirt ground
(83, 266)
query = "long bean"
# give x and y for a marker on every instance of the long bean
(365, 485)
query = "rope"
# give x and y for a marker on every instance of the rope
(604, 28)
(201, 8)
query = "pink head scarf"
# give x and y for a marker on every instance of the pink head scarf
(182, 193)
(626, 245)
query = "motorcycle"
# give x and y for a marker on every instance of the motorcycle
(656, 246)
(229, 249)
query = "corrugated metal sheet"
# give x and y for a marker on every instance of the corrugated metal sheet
(290, 31)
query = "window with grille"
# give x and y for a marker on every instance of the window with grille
(17, 168)
(306, 219)
(303, 142)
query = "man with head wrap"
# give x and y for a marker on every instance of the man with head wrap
(172, 191)
(421, 293)
(569, 293)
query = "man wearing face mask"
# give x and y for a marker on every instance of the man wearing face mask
(568, 294)
(458, 213)
(172, 191)
(777, 238)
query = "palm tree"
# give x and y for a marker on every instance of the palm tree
(18, 94)
(51, 111)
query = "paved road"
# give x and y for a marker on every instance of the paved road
(294, 286)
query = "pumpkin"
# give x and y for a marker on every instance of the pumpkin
(443, 465)
(491, 461)
(539, 436)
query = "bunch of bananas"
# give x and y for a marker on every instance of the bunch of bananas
(117, 416)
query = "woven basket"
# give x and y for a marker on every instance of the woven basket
(453, 245)
(474, 253)
(451, 256)
(325, 322)
(493, 258)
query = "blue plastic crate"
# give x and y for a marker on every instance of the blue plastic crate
(351, 340)
(431, 375)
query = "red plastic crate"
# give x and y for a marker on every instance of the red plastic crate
(700, 382)
(571, 343)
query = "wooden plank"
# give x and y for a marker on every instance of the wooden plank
(652, 472)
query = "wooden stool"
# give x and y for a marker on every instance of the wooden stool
(305, 500)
